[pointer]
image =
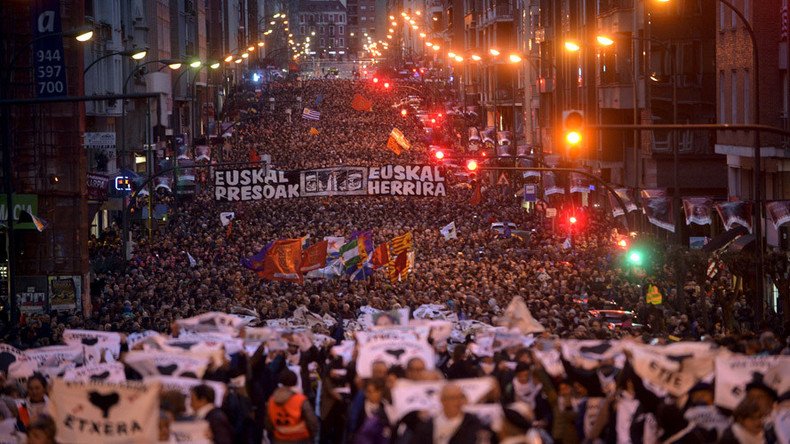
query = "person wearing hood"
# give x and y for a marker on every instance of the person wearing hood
(290, 417)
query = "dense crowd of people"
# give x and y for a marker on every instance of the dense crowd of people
(308, 394)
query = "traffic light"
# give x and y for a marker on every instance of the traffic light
(386, 85)
(375, 80)
(471, 165)
(635, 257)
(572, 126)
(439, 154)
(572, 220)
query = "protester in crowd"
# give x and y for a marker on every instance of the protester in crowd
(290, 416)
(202, 402)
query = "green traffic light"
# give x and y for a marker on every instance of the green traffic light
(635, 257)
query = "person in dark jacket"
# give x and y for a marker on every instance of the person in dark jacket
(748, 427)
(290, 415)
(451, 425)
(202, 403)
(369, 422)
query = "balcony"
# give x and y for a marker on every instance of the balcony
(498, 13)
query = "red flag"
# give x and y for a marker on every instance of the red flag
(254, 157)
(360, 103)
(380, 256)
(314, 257)
(402, 263)
(477, 195)
(283, 260)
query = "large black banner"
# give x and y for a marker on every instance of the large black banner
(391, 180)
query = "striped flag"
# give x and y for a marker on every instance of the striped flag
(399, 138)
(360, 103)
(400, 246)
(311, 114)
(39, 223)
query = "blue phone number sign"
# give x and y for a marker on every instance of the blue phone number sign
(48, 54)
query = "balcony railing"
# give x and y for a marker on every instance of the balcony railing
(497, 12)
(606, 6)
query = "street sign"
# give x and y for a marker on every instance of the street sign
(503, 179)
(48, 54)
(530, 193)
(551, 212)
(26, 202)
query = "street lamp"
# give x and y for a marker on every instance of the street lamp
(135, 54)
(572, 46)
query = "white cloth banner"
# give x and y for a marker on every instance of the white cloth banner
(393, 352)
(409, 396)
(190, 432)
(86, 412)
(111, 372)
(517, 316)
(94, 342)
(133, 339)
(673, 369)
(782, 425)
(393, 333)
(211, 321)
(440, 331)
(734, 372)
(449, 231)
(55, 355)
(8, 355)
(371, 317)
(184, 385)
(588, 354)
(708, 417)
(150, 363)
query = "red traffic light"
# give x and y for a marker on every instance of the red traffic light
(375, 80)
(439, 155)
(572, 220)
(433, 121)
(471, 165)
(403, 112)
(386, 85)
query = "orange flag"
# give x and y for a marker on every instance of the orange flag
(283, 261)
(360, 103)
(314, 257)
(392, 144)
(380, 256)
(313, 131)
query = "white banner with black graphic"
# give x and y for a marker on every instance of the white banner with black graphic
(409, 333)
(99, 412)
(396, 180)
(673, 369)
(211, 322)
(95, 343)
(9, 355)
(589, 354)
(111, 372)
(708, 417)
(627, 197)
(393, 352)
(135, 339)
(735, 372)
(735, 213)
(190, 432)
(410, 396)
(150, 363)
(184, 385)
(371, 317)
(55, 355)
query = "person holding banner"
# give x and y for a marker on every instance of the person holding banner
(202, 403)
(452, 425)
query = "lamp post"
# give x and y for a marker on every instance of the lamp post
(81, 34)
(172, 64)
(135, 54)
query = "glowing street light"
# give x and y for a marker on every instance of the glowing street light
(572, 46)
(514, 58)
(494, 52)
(476, 57)
(604, 40)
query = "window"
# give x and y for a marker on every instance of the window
(301, 18)
(722, 16)
(301, 30)
(331, 42)
(722, 98)
(341, 42)
(340, 30)
(747, 110)
(733, 18)
(363, 18)
(734, 96)
(321, 30)
(332, 31)
(322, 42)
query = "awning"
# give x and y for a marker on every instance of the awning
(724, 239)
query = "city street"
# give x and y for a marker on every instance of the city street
(298, 247)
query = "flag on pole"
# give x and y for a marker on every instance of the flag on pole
(398, 245)
(37, 222)
(393, 146)
(314, 257)
(313, 131)
(311, 114)
(399, 138)
(360, 103)
(192, 261)
(226, 217)
(567, 244)
(380, 256)
(255, 262)
(283, 261)
(449, 231)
